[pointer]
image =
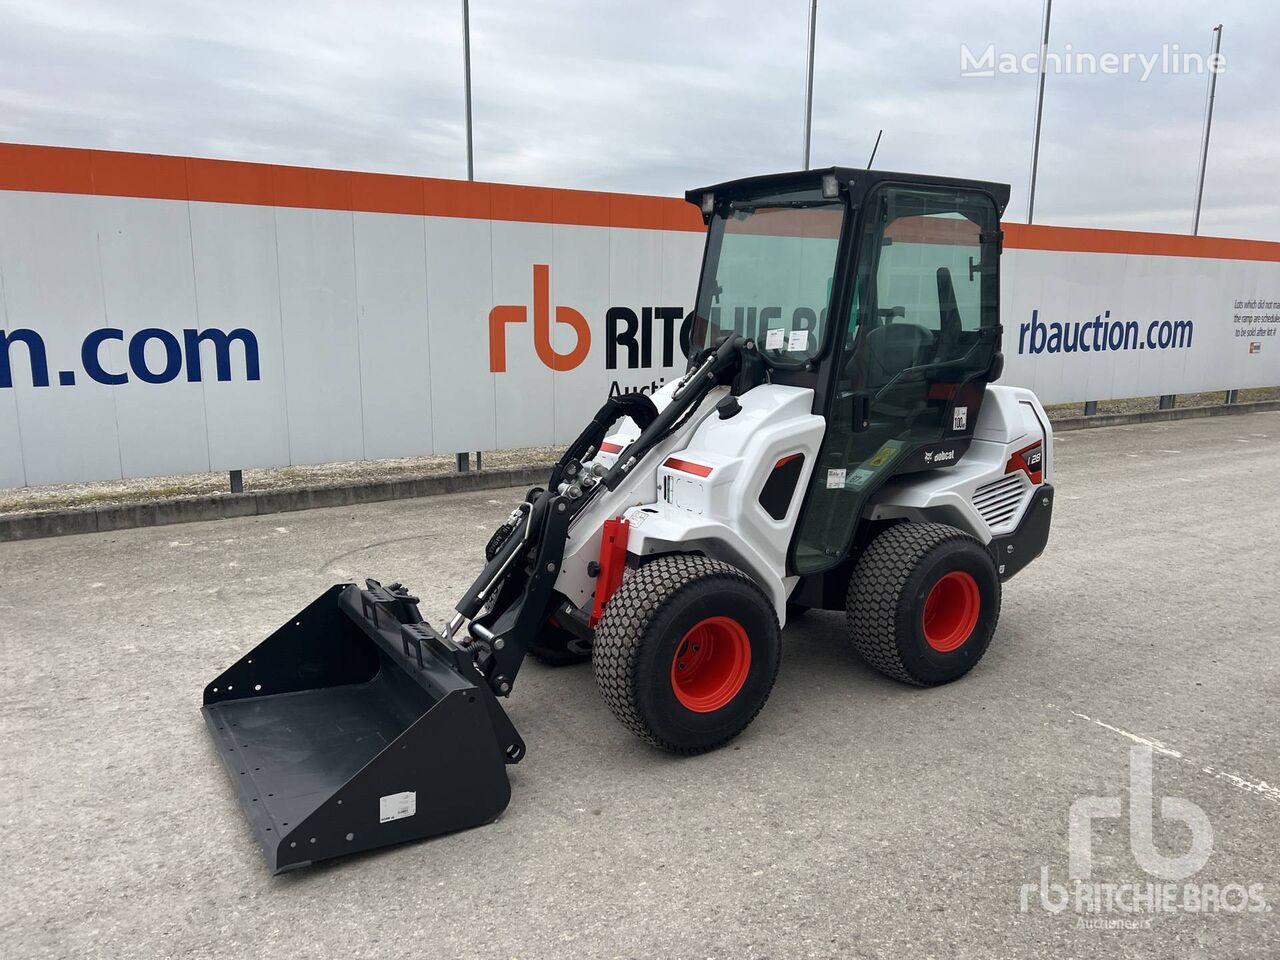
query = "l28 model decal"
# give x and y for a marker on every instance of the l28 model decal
(1030, 460)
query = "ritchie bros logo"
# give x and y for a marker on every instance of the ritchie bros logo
(630, 338)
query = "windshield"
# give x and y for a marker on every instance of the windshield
(768, 272)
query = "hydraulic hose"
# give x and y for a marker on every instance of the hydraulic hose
(711, 373)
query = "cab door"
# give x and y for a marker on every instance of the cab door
(909, 369)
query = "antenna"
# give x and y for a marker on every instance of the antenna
(875, 148)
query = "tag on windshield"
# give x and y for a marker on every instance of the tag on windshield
(860, 477)
(797, 340)
(774, 338)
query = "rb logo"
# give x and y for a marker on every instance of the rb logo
(500, 316)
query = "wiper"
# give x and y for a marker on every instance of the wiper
(738, 206)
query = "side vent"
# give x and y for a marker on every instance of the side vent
(998, 501)
(780, 488)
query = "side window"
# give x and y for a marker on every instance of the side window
(925, 269)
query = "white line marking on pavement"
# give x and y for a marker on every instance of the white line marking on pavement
(1240, 440)
(1155, 745)
(1168, 451)
(1259, 787)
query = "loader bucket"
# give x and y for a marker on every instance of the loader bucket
(349, 729)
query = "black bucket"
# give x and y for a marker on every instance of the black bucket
(356, 726)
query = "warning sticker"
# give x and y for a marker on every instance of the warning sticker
(773, 340)
(835, 479)
(883, 455)
(797, 340)
(397, 806)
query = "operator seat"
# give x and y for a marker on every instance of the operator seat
(894, 347)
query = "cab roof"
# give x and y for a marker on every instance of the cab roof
(857, 182)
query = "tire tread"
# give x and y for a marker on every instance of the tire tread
(878, 579)
(627, 618)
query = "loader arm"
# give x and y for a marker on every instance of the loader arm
(517, 584)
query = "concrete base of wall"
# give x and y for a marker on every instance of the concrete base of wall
(1160, 416)
(153, 513)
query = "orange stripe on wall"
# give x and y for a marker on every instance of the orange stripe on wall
(1023, 236)
(41, 169)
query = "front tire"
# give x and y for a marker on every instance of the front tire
(923, 603)
(687, 652)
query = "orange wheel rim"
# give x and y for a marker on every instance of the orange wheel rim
(710, 664)
(951, 611)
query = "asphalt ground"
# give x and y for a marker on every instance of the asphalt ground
(855, 818)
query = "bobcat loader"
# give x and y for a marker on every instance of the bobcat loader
(836, 443)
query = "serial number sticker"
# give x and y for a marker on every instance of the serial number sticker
(835, 479)
(797, 340)
(397, 806)
(773, 340)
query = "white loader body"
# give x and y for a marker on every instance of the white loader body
(702, 492)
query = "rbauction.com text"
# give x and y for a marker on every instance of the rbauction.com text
(1102, 333)
(152, 355)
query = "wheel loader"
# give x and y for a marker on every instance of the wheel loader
(837, 442)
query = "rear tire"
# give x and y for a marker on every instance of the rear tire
(923, 603)
(687, 652)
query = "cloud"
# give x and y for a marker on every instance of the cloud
(660, 97)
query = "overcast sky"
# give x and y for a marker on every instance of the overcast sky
(658, 97)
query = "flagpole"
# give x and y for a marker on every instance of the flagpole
(1208, 122)
(466, 83)
(1035, 144)
(808, 90)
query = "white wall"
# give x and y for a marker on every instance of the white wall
(1077, 287)
(373, 329)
